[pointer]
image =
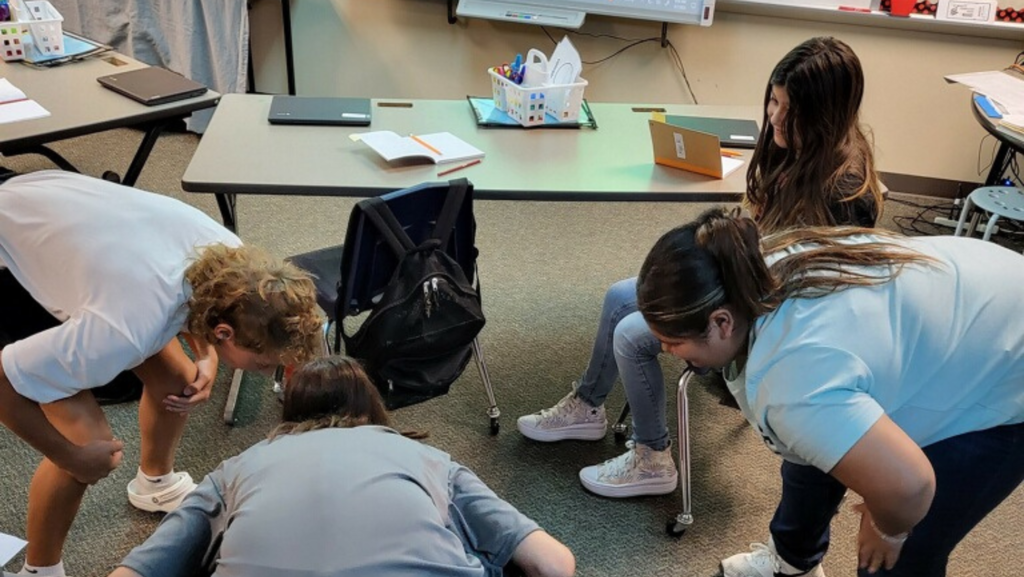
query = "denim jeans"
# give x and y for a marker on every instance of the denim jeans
(626, 348)
(974, 473)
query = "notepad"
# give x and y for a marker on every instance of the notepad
(15, 106)
(439, 147)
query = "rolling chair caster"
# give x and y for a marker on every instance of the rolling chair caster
(111, 176)
(677, 526)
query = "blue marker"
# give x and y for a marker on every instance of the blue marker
(517, 64)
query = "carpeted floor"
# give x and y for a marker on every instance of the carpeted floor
(544, 268)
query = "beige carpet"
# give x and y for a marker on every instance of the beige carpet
(544, 268)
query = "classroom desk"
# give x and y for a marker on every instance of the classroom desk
(241, 153)
(1010, 142)
(79, 105)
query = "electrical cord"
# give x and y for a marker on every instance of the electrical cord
(673, 52)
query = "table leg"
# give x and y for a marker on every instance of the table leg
(142, 154)
(226, 204)
(54, 157)
(995, 173)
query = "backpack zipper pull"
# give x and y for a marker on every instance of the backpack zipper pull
(426, 298)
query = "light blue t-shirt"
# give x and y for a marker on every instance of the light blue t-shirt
(940, 350)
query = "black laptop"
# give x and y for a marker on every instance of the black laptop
(731, 132)
(320, 111)
(153, 85)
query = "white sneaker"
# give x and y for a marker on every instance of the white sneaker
(570, 418)
(762, 561)
(639, 471)
(163, 501)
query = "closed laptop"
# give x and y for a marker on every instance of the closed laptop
(152, 85)
(731, 132)
(320, 111)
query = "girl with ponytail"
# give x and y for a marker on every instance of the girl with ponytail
(812, 166)
(886, 365)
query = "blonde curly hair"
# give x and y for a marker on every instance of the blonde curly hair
(270, 304)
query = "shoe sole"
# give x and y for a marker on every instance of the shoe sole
(573, 433)
(163, 501)
(649, 488)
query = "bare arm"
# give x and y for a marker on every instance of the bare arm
(124, 572)
(897, 483)
(87, 464)
(541, 555)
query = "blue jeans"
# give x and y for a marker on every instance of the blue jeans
(626, 348)
(974, 473)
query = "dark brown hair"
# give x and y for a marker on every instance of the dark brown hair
(331, 392)
(826, 175)
(716, 261)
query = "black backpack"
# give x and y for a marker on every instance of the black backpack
(418, 337)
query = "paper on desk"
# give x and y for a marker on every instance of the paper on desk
(9, 547)
(999, 86)
(15, 106)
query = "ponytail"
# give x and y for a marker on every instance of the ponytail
(702, 266)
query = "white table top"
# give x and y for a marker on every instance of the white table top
(242, 153)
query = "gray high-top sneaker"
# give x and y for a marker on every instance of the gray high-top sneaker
(570, 418)
(639, 471)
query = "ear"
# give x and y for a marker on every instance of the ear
(722, 323)
(224, 332)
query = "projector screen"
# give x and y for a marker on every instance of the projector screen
(570, 13)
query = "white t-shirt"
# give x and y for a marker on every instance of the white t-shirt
(940, 350)
(107, 259)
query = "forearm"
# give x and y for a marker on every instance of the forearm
(541, 555)
(898, 513)
(124, 572)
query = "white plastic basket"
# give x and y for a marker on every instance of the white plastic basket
(34, 22)
(529, 105)
(13, 37)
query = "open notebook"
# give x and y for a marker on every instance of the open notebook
(439, 147)
(15, 106)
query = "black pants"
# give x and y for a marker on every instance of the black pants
(21, 316)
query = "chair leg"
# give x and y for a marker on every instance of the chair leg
(678, 524)
(990, 226)
(621, 427)
(968, 207)
(492, 411)
(229, 406)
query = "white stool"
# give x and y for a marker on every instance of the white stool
(1000, 201)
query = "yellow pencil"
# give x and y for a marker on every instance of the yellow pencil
(431, 148)
(731, 153)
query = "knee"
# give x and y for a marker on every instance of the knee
(620, 294)
(634, 339)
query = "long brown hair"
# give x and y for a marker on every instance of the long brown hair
(826, 175)
(332, 392)
(269, 303)
(717, 261)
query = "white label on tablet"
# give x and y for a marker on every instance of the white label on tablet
(741, 137)
(680, 146)
(352, 115)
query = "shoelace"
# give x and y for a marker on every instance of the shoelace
(562, 405)
(763, 556)
(623, 463)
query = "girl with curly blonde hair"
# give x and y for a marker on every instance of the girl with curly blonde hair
(124, 273)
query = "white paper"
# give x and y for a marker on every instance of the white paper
(998, 86)
(730, 165)
(564, 66)
(15, 107)
(9, 547)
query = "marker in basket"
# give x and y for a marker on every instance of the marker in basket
(459, 167)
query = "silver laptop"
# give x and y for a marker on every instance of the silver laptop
(320, 111)
(153, 85)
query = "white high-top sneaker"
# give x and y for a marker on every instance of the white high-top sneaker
(639, 471)
(570, 418)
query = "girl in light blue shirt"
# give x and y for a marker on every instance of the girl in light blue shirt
(887, 365)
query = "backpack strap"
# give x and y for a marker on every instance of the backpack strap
(381, 216)
(450, 212)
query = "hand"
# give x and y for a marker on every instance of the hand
(873, 552)
(198, 391)
(94, 461)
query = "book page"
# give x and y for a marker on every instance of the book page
(730, 165)
(393, 147)
(9, 92)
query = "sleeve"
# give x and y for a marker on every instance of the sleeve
(82, 353)
(814, 406)
(488, 525)
(187, 540)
